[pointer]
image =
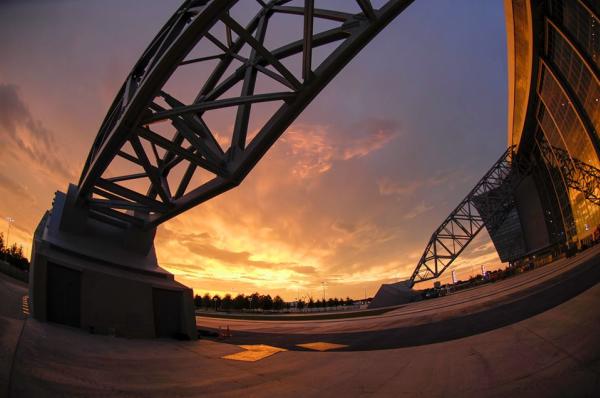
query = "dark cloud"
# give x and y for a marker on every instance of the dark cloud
(346, 227)
(210, 251)
(207, 250)
(183, 266)
(172, 232)
(304, 269)
(389, 187)
(27, 135)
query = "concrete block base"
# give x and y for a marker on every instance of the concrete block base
(83, 280)
(394, 294)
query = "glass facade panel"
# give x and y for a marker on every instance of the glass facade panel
(593, 5)
(581, 24)
(564, 130)
(588, 217)
(557, 207)
(579, 77)
(558, 180)
(549, 128)
(560, 108)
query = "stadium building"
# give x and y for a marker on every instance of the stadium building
(553, 122)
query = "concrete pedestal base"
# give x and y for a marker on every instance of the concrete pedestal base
(86, 279)
(394, 294)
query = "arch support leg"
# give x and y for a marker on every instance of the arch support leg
(104, 278)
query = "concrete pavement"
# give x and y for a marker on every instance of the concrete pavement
(12, 321)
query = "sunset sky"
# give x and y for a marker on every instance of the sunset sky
(349, 195)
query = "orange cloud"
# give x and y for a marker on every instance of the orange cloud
(28, 138)
(317, 148)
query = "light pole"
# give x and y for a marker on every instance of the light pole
(323, 285)
(10, 221)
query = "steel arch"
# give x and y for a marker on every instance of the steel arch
(486, 205)
(143, 102)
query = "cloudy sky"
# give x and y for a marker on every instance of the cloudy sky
(349, 195)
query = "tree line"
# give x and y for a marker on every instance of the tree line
(331, 302)
(256, 301)
(13, 255)
(239, 302)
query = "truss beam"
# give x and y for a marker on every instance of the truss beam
(494, 192)
(578, 175)
(168, 171)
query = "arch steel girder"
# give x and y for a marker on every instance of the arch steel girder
(494, 193)
(578, 175)
(143, 101)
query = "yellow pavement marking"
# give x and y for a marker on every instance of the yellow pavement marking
(254, 353)
(321, 346)
(25, 305)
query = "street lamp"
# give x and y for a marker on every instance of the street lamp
(323, 285)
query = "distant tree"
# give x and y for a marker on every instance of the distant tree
(197, 301)
(278, 303)
(13, 255)
(206, 301)
(300, 304)
(349, 301)
(311, 303)
(331, 302)
(266, 302)
(239, 302)
(318, 304)
(227, 302)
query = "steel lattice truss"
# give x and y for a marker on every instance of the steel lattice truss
(173, 160)
(494, 193)
(578, 174)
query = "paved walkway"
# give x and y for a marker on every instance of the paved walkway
(555, 353)
(12, 320)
